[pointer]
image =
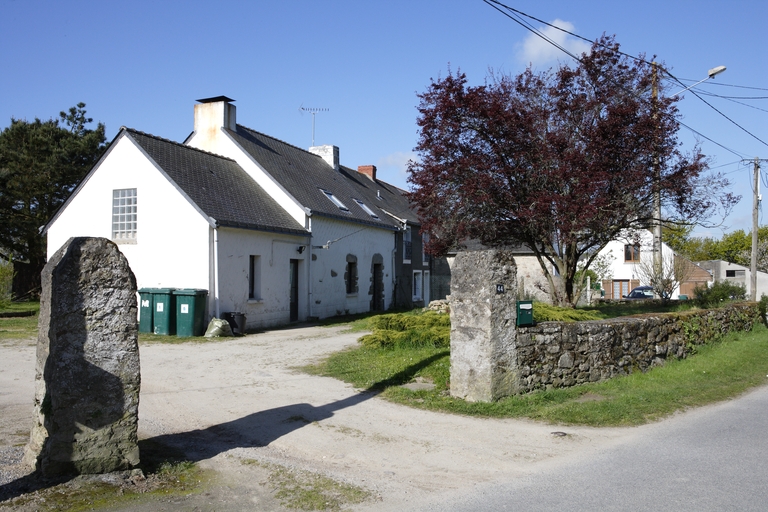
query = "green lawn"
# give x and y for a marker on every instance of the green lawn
(18, 327)
(717, 372)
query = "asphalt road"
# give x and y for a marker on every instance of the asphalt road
(711, 459)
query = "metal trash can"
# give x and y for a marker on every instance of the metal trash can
(146, 306)
(524, 313)
(164, 311)
(236, 321)
(190, 311)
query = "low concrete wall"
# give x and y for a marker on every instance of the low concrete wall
(559, 354)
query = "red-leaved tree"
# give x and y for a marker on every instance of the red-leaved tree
(560, 162)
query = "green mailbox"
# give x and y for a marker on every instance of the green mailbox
(190, 312)
(145, 309)
(524, 313)
(164, 311)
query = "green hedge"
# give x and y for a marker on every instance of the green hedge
(398, 330)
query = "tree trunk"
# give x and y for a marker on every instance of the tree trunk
(26, 280)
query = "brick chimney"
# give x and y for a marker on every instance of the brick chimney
(328, 153)
(368, 170)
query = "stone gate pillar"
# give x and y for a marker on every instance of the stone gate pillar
(483, 331)
(87, 376)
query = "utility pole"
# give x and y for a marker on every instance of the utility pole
(755, 206)
(656, 221)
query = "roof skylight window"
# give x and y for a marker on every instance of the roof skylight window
(335, 200)
(366, 209)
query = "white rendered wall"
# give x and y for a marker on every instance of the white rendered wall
(627, 270)
(329, 294)
(171, 248)
(275, 251)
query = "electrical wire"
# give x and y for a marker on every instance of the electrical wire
(514, 14)
(514, 17)
(720, 84)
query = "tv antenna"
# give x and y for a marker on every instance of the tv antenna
(313, 111)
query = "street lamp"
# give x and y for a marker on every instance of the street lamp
(657, 260)
(711, 74)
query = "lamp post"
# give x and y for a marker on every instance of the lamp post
(656, 221)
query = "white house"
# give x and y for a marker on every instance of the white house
(630, 251)
(270, 230)
(725, 271)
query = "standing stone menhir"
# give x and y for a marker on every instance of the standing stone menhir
(87, 378)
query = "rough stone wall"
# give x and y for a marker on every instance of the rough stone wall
(483, 315)
(562, 354)
(87, 376)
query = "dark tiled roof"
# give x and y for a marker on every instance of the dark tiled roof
(304, 175)
(218, 186)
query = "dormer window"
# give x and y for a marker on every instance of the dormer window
(366, 209)
(335, 200)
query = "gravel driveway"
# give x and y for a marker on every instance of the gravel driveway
(241, 400)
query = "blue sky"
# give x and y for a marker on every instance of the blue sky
(143, 64)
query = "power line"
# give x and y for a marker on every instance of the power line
(720, 84)
(514, 14)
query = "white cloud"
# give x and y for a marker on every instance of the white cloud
(540, 53)
(397, 161)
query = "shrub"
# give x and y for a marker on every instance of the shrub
(762, 306)
(721, 291)
(6, 283)
(400, 330)
(543, 312)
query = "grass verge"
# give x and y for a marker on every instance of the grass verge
(305, 490)
(93, 492)
(21, 308)
(717, 372)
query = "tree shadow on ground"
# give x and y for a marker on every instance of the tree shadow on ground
(262, 428)
(254, 430)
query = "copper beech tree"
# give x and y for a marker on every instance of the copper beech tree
(560, 161)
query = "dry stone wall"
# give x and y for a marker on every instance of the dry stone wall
(491, 357)
(562, 354)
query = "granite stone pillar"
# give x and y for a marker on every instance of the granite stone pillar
(87, 376)
(483, 331)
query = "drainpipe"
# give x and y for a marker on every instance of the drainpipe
(216, 272)
(308, 212)
(309, 267)
(393, 303)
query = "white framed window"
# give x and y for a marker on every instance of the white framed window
(417, 285)
(254, 277)
(124, 215)
(335, 200)
(366, 209)
(424, 255)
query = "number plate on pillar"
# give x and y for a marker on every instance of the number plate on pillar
(499, 288)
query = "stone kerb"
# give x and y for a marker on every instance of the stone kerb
(87, 376)
(483, 315)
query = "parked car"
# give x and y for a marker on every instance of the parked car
(640, 293)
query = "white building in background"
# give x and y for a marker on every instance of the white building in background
(626, 255)
(737, 274)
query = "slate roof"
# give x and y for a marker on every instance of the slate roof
(218, 186)
(305, 175)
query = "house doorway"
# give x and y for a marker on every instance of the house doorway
(294, 271)
(377, 303)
